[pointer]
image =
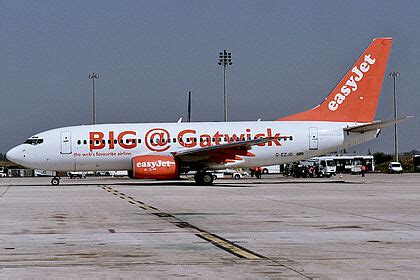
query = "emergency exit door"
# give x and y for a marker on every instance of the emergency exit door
(66, 142)
(313, 138)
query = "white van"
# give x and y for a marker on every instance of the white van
(395, 167)
(326, 167)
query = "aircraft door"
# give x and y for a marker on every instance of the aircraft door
(313, 138)
(66, 142)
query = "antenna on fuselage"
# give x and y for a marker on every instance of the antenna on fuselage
(189, 107)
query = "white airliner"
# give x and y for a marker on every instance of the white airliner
(165, 150)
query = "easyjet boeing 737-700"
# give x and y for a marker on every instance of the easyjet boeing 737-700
(165, 150)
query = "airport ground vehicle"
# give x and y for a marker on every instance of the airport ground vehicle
(119, 173)
(395, 167)
(416, 163)
(326, 167)
(44, 173)
(3, 172)
(271, 169)
(299, 170)
(353, 163)
(76, 174)
(112, 173)
(103, 173)
(314, 167)
(229, 173)
(165, 150)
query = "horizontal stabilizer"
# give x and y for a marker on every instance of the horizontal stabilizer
(375, 125)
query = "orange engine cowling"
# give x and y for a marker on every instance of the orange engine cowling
(155, 167)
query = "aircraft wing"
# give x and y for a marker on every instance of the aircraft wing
(374, 125)
(222, 153)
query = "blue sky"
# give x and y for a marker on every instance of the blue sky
(287, 56)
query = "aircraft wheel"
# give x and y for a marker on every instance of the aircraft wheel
(207, 179)
(198, 178)
(55, 181)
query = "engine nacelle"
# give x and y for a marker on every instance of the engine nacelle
(155, 167)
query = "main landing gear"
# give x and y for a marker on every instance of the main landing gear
(55, 181)
(203, 178)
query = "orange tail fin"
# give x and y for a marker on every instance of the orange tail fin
(355, 97)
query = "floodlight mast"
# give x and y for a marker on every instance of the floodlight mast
(225, 59)
(93, 76)
(395, 75)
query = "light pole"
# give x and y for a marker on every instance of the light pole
(225, 59)
(394, 75)
(93, 76)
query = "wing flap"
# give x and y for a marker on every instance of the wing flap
(223, 153)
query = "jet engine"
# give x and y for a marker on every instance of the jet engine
(155, 167)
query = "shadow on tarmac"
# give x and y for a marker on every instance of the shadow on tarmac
(180, 183)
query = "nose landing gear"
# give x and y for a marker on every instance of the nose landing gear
(55, 181)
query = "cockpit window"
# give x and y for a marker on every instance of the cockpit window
(34, 141)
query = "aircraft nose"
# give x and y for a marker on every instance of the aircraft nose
(15, 155)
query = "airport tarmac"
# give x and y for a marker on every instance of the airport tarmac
(350, 227)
